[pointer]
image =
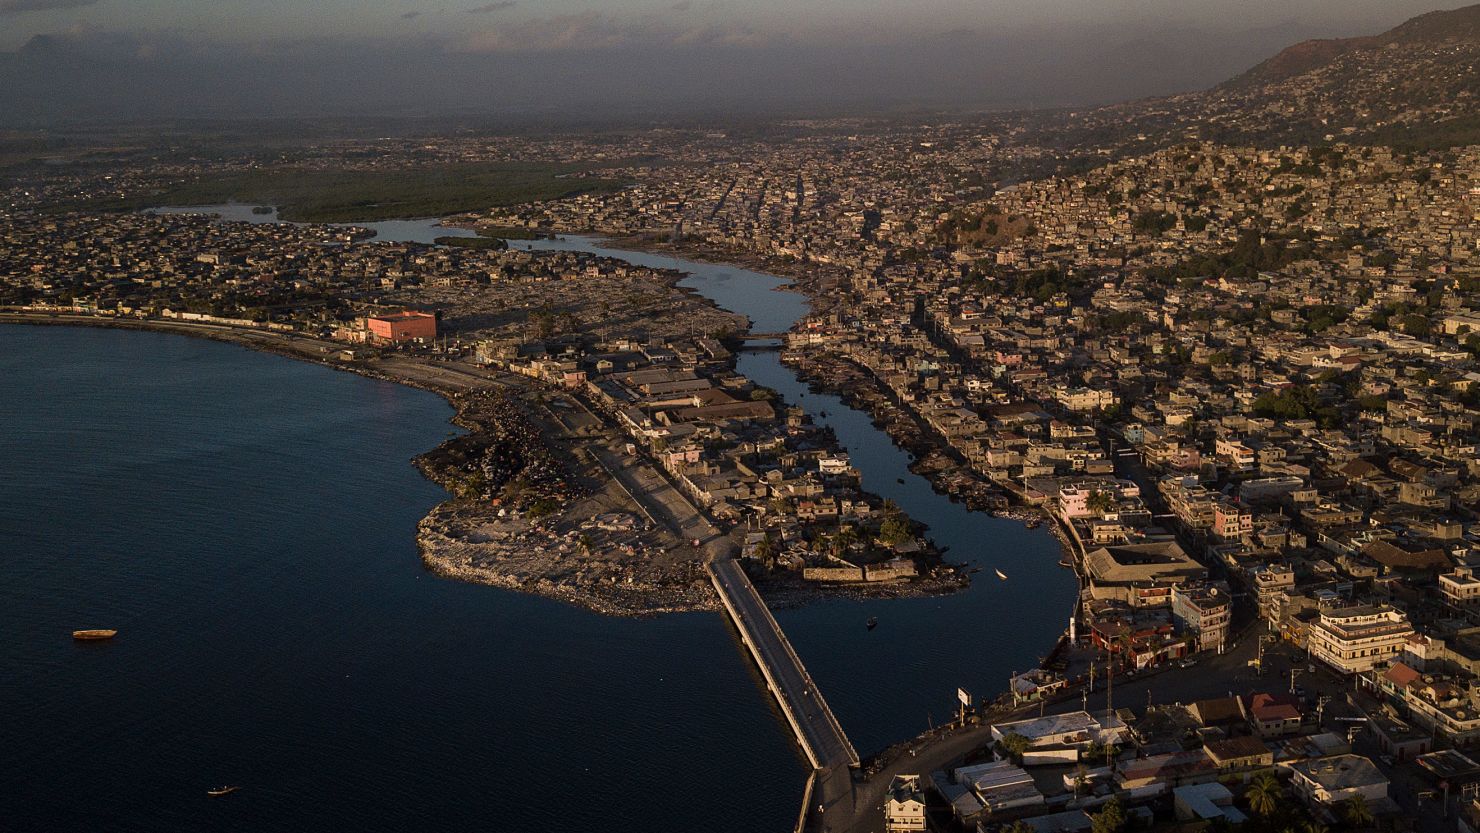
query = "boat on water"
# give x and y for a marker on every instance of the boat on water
(873, 622)
(222, 791)
(1001, 575)
(94, 634)
(1034, 524)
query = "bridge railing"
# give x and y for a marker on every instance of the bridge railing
(832, 721)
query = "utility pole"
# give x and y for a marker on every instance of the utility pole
(1293, 673)
(1109, 708)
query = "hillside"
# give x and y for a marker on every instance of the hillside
(1416, 87)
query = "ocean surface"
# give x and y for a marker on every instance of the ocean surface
(248, 523)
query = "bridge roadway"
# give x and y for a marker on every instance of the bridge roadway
(811, 719)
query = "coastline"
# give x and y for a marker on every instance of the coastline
(447, 549)
(442, 554)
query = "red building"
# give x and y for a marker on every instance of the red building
(404, 326)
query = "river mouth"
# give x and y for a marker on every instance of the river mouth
(975, 639)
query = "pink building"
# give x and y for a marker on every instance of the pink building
(397, 327)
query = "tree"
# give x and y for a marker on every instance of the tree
(895, 530)
(1110, 819)
(1018, 826)
(1264, 796)
(765, 549)
(1014, 745)
(1081, 779)
(1100, 502)
(1357, 813)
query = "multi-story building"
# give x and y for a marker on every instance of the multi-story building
(1355, 639)
(904, 809)
(1231, 522)
(1460, 587)
(403, 326)
(1203, 609)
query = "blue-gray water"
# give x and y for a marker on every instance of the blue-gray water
(889, 684)
(390, 231)
(248, 522)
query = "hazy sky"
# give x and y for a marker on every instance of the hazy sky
(531, 24)
(109, 58)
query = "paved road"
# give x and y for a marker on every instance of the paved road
(821, 736)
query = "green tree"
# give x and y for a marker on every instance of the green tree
(1356, 812)
(1110, 819)
(1100, 502)
(1014, 745)
(895, 530)
(1265, 794)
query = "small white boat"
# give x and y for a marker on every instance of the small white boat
(1001, 575)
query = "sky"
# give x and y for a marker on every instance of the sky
(81, 59)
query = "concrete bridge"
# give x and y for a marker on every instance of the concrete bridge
(812, 721)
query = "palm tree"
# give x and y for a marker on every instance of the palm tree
(1100, 502)
(1358, 814)
(1264, 795)
(1313, 827)
(1081, 779)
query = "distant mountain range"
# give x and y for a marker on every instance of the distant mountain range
(1425, 31)
(1416, 85)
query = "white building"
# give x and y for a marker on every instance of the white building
(1338, 778)
(904, 809)
(1460, 587)
(1355, 639)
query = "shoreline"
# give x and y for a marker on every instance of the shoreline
(594, 584)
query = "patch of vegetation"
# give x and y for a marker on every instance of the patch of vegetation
(473, 242)
(1296, 402)
(509, 232)
(349, 196)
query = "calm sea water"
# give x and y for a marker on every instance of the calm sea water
(247, 522)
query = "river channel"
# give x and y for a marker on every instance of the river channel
(893, 682)
(248, 523)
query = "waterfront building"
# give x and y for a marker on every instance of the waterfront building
(904, 809)
(1072, 729)
(1119, 572)
(407, 325)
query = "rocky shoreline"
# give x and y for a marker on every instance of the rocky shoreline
(627, 567)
